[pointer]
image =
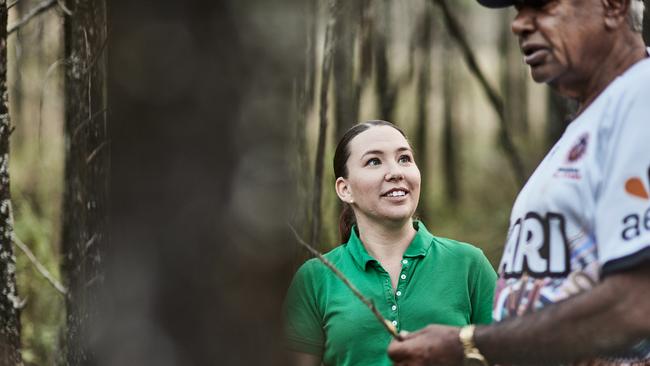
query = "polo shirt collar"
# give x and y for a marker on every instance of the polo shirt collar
(418, 248)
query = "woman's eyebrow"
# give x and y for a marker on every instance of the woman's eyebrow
(380, 152)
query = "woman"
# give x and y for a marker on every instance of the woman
(412, 277)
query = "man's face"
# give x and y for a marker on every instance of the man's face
(561, 40)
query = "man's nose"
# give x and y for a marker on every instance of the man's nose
(524, 22)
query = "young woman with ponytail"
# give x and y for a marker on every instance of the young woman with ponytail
(413, 277)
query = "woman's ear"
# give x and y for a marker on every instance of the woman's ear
(343, 190)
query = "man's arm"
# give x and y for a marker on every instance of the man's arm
(609, 318)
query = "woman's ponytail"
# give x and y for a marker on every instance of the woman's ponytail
(346, 221)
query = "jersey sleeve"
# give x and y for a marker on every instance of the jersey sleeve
(303, 319)
(622, 219)
(482, 290)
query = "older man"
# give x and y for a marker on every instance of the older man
(574, 282)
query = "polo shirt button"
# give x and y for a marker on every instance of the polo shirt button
(394, 322)
(403, 276)
(398, 293)
(394, 307)
(405, 261)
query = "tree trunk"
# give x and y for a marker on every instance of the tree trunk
(646, 23)
(423, 89)
(84, 234)
(513, 80)
(346, 104)
(385, 88)
(319, 164)
(9, 302)
(560, 113)
(449, 139)
(200, 255)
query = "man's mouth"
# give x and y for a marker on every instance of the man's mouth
(534, 54)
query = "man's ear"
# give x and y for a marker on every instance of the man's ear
(343, 190)
(615, 12)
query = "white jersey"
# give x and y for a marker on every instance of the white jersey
(585, 211)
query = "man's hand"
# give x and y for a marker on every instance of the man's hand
(433, 345)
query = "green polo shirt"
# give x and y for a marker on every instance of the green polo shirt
(442, 281)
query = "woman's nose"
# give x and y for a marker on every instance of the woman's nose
(395, 173)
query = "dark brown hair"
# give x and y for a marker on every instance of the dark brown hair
(341, 156)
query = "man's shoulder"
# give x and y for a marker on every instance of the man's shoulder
(637, 78)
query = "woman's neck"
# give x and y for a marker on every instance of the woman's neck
(386, 243)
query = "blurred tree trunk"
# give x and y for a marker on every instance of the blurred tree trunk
(560, 113)
(300, 165)
(201, 109)
(385, 87)
(513, 79)
(9, 302)
(449, 139)
(346, 99)
(84, 234)
(423, 96)
(319, 164)
(646, 23)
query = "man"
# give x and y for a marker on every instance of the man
(574, 280)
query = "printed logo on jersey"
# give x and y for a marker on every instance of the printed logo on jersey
(568, 170)
(636, 223)
(537, 245)
(579, 148)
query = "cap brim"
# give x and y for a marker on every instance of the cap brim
(496, 3)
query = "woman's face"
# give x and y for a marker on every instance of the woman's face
(383, 182)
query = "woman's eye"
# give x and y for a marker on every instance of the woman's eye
(404, 159)
(373, 162)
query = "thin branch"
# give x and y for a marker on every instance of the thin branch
(39, 266)
(45, 5)
(388, 325)
(495, 100)
(96, 151)
(12, 4)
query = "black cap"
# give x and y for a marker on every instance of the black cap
(496, 3)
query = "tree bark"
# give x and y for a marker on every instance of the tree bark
(449, 137)
(84, 234)
(560, 113)
(9, 302)
(423, 94)
(385, 87)
(326, 71)
(346, 100)
(646, 23)
(513, 80)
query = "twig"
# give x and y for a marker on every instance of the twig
(12, 4)
(495, 100)
(388, 325)
(45, 5)
(39, 266)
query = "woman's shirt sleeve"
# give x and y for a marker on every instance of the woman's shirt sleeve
(303, 319)
(482, 291)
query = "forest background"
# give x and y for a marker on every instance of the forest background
(218, 124)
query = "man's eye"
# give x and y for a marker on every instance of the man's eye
(373, 162)
(404, 159)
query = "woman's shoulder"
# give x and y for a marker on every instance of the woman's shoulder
(314, 265)
(463, 249)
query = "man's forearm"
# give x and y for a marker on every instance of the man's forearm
(609, 318)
